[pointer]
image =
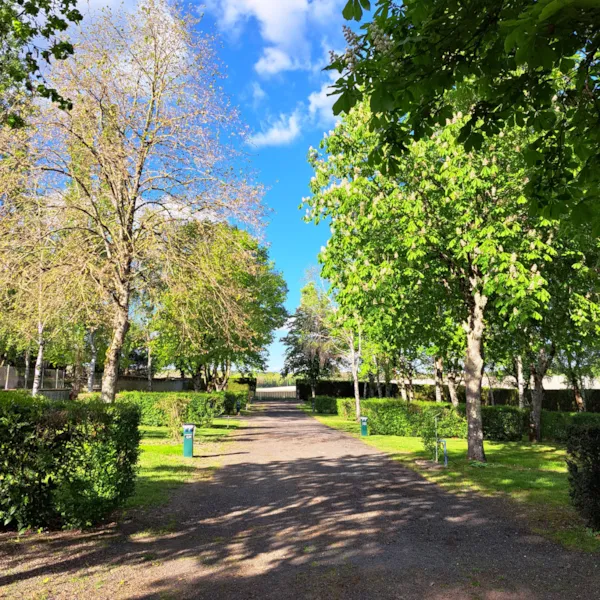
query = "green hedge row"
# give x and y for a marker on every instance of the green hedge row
(199, 408)
(556, 425)
(396, 417)
(388, 416)
(583, 461)
(65, 464)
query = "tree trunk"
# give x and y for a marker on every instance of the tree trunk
(538, 372)
(39, 362)
(313, 391)
(410, 388)
(93, 360)
(474, 377)
(111, 364)
(451, 377)
(403, 393)
(579, 399)
(27, 367)
(197, 380)
(520, 381)
(537, 399)
(365, 393)
(7, 378)
(354, 360)
(439, 379)
(378, 379)
(491, 400)
(149, 369)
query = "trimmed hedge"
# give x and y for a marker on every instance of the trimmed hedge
(325, 405)
(396, 417)
(199, 408)
(65, 464)
(583, 461)
(555, 425)
(347, 408)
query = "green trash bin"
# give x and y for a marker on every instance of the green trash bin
(188, 440)
(363, 426)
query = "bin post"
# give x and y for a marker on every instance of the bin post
(363, 427)
(188, 440)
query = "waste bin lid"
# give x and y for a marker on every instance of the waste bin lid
(364, 419)
(188, 426)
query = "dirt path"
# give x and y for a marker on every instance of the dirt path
(302, 511)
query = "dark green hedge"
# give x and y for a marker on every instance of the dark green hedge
(347, 408)
(65, 464)
(325, 405)
(555, 425)
(583, 461)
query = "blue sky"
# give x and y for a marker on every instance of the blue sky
(274, 51)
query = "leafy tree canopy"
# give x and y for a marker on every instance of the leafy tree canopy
(533, 63)
(30, 35)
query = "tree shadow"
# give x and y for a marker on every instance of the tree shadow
(356, 525)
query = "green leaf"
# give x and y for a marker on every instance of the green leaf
(348, 12)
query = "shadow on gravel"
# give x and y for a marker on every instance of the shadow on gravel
(353, 526)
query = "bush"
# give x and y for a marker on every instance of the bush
(396, 417)
(172, 409)
(583, 461)
(231, 400)
(65, 464)
(326, 405)
(504, 423)
(346, 407)
(555, 425)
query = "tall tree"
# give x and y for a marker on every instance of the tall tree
(451, 226)
(156, 138)
(535, 63)
(311, 350)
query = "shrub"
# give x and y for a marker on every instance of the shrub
(555, 425)
(346, 407)
(326, 405)
(396, 417)
(583, 461)
(172, 409)
(231, 400)
(65, 464)
(504, 423)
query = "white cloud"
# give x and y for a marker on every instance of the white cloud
(320, 106)
(258, 94)
(285, 26)
(280, 133)
(274, 60)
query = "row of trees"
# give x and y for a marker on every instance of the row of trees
(459, 188)
(127, 221)
(445, 257)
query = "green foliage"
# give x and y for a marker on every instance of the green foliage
(346, 407)
(396, 417)
(172, 409)
(326, 405)
(65, 464)
(523, 63)
(233, 400)
(556, 425)
(310, 347)
(583, 461)
(504, 423)
(32, 34)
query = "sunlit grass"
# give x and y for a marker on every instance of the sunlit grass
(533, 475)
(163, 467)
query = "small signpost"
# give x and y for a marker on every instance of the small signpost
(188, 440)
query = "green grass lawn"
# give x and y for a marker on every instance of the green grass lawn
(533, 475)
(163, 467)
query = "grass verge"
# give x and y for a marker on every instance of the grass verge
(532, 475)
(163, 467)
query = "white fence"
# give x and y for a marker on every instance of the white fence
(279, 393)
(12, 378)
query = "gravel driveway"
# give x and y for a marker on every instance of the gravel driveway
(299, 510)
